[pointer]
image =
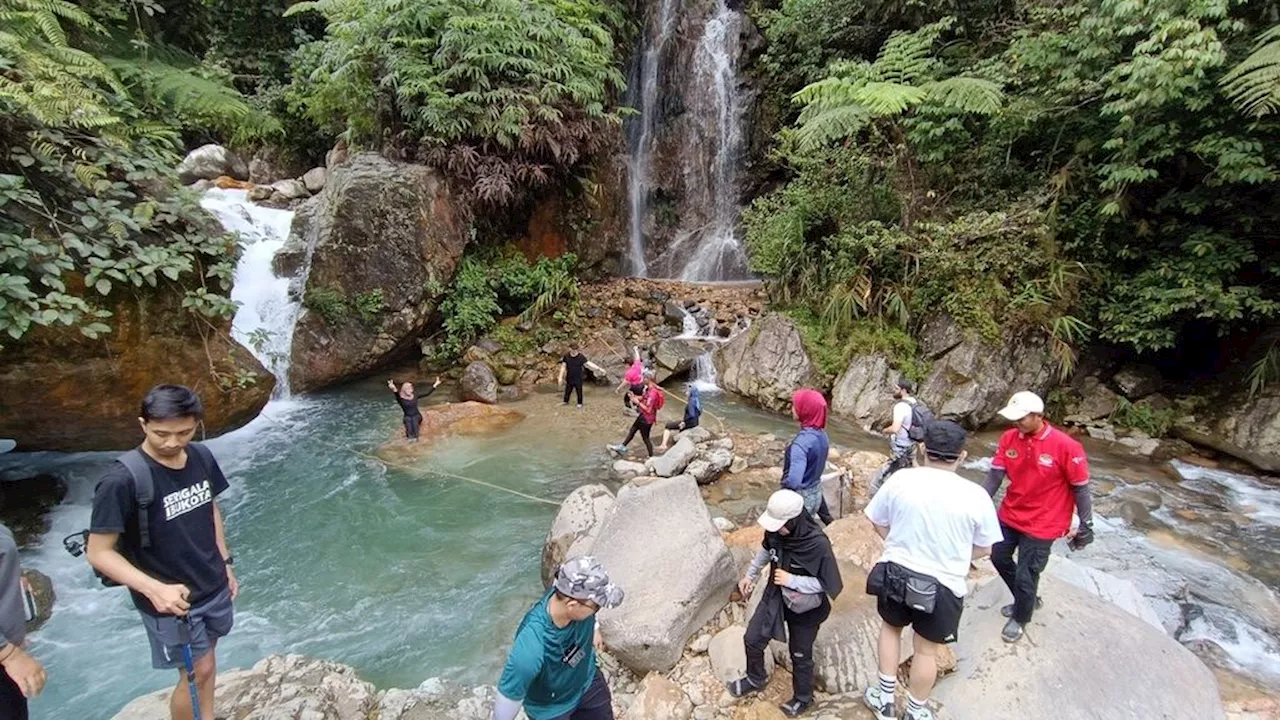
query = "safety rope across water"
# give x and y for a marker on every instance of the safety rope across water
(418, 470)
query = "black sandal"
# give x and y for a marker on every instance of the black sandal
(743, 687)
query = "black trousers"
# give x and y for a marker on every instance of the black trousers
(570, 386)
(802, 630)
(642, 427)
(1023, 575)
(411, 425)
(596, 703)
(13, 706)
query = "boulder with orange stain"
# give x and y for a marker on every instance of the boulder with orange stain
(63, 391)
(464, 418)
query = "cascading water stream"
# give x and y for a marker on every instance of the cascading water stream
(266, 315)
(719, 254)
(642, 144)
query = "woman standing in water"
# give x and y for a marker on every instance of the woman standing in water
(409, 404)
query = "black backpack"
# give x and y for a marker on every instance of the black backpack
(921, 416)
(144, 493)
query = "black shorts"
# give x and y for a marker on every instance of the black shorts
(939, 626)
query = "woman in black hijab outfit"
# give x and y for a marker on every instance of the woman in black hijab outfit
(803, 579)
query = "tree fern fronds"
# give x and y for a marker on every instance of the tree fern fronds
(1254, 84)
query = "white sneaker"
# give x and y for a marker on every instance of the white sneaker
(880, 705)
(923, 714)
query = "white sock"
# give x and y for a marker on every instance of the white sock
(914, 706)
(888, 684)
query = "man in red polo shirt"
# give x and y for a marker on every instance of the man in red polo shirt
(1048, 479)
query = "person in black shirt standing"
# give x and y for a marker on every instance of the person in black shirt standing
(409, 404)
(183, 573)
(571, 372)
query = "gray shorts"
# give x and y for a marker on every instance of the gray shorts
(209, 621)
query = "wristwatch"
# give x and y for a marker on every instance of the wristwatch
(230, 560)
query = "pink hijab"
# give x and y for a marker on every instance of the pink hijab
(810, 408)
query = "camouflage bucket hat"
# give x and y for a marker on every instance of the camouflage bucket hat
(584, 578)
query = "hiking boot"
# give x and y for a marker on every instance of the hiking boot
(743, 687)
(881, 705)
(795, 707)
(1012, 631)
(1007, 610)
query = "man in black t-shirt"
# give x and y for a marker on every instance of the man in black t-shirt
(571, 372)
(185, 571)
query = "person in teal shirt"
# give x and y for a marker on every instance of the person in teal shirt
(552, 666)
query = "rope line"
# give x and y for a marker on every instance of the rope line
(418, 470)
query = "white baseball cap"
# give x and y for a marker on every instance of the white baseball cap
(783, 505)
(1021, 405)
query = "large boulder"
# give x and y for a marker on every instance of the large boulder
(63, 391)
(575, 528)
(315, 179)
(1080, 660)
(767, 363)
(479, 383)
(659, 699)
(279, 687)
(675, 356)
(1121, 593)
(674, 460)
(660, 546)
(1245, 427)
(384, 240)
(971, 380)
(208, 162)
(863, 391)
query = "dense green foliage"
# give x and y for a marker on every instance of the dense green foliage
(89, 137)
(506, 95)
(1086, 171)
(492, 283)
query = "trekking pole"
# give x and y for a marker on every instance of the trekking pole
(184, 633)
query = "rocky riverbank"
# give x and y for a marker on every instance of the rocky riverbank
(674, 545)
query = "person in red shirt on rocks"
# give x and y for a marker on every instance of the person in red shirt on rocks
(648, 406)
(1048, 479)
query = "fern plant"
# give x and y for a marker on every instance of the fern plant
(1254, 84)
(505, 95)
(906, 74)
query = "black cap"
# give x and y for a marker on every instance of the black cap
(944, 439)
(906, 384)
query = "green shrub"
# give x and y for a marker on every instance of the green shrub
(327, 302)
(369, 304)
(506, 94)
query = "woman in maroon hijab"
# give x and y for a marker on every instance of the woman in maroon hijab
(806, 454)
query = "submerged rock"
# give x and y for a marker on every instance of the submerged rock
(464, 418)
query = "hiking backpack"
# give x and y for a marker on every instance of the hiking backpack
(144, 493)
(921, 416)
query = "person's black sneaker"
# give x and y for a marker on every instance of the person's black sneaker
(794, 707)
(1007, 610)
(1012, 631)
(743, 687)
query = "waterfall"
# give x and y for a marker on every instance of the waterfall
(688, 326)
(642, 143)
(719, 254)
(266, 314)
(703, 374)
